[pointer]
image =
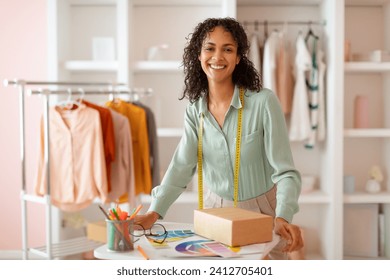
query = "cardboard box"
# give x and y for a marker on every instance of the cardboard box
(97, 231)
(233, 226)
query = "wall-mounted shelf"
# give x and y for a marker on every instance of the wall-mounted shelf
(373, 132)
(361, 197)
(90, 65)
(158, 66)
(351, 67)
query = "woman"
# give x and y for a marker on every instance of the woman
(216, 71)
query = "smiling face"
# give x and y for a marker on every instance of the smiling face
(218, 56)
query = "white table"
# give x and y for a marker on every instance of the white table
(159, 254)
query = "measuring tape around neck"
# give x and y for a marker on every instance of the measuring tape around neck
(237, 158)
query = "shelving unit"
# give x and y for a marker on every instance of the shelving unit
(364, 198)
(158, 66)
(87, 65)
(320, 209)
(73, 24)
(364, 67)
(373, 132)
(133, 24)
(365, 147)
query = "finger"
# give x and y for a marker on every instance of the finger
(282, 231)
(296, 238)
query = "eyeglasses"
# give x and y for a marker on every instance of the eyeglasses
(157, 233)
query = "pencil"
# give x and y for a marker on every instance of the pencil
(142, 252)
(135, 212)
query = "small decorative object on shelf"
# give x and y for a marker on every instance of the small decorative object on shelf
(361, 119)
(380, 56)
(349, 184)
(375, 178)
(156, 53)
(347, 50)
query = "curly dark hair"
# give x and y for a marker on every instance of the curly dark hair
(195, 82)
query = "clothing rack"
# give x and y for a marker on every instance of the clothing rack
(77, 245)
(256, 23)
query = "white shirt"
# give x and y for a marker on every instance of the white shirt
(269, 61)
(300, 119)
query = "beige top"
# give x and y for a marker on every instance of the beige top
(284, 76)
(77, 164)
(122, 172)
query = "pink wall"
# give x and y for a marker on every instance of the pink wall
(23, 50)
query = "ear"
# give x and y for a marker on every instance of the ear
(238, 59)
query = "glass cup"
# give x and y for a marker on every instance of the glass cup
(119, 235)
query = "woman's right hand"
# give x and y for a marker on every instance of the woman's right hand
(147, 220)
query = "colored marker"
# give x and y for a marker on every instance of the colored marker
(135, 212)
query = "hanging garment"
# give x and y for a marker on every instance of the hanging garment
(122, 176)
(153, 144)
(254, 53)
(269, 61)
(284, 76)
(300, 118)
(77, 164)
(312, 89)
(108, 137)
(140, 142)
(315, 87)
(321, 132)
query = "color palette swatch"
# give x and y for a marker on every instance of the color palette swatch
(205, 248)
(173, 235)
(220, 249)
(194, 248)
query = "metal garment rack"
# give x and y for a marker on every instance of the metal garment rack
(256, 23)
(267, 23)
(72, 246)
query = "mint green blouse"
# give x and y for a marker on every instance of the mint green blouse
(266, 157)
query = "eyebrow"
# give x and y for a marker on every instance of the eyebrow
(224, 45)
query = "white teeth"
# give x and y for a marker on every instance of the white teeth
(217, 66)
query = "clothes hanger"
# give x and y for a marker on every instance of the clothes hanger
(265, 30)
(69, 103)
(310, 33)
(79, 101)
(82, 94)
(135, 96)
(114, 96)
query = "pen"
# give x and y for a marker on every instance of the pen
(142, 252)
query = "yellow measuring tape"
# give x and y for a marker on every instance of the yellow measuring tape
(237, 158)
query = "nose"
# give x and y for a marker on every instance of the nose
(218, 55)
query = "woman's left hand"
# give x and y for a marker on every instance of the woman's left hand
(291, 233)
